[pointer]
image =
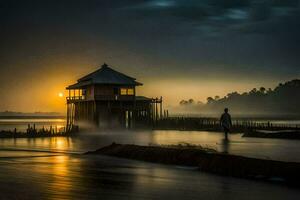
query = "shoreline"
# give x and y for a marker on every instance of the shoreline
(288, 134)
(33, 133)
(208, 161)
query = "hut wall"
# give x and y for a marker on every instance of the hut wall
(90, 92)
(104, 90)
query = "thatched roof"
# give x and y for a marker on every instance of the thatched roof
(106, 76)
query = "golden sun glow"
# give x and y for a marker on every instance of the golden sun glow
(60, 94)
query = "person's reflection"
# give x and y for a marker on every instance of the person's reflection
(225, 146)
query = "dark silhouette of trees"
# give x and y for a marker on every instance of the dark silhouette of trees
(187, 102)
(262, 90)
(283, 99)
(210, 100)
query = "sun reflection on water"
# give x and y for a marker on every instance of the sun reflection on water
(60, 143)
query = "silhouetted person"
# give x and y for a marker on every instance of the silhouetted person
(225, 122)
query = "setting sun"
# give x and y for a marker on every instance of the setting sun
(60, 94)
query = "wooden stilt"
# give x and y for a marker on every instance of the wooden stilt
(161, 116)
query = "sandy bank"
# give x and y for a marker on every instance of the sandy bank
(213, 162)
(284, 134)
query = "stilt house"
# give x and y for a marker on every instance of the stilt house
(107, 99)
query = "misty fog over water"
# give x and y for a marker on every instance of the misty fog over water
(278, 149)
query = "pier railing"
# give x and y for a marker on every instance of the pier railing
(75, 98)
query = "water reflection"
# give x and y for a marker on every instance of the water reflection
(225, 146)
(286, 150)
(65, 176)
(54, 144)
(61, 143)
(56, 175)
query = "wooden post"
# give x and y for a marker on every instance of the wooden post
(161, 108)
(95, 113)
(28, 128)
(73, 113)
(68, 117)
(156, 110)
(71, 116)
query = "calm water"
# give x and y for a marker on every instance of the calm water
(53, 168)
(277, 149)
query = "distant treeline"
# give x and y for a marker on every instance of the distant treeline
(12, 114)
(282, 100)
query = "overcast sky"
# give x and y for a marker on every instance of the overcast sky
(177, 48)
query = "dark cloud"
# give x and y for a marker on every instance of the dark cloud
(215, 13)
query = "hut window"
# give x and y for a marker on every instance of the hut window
(130, 91)
(123, 91)
(127, 91)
